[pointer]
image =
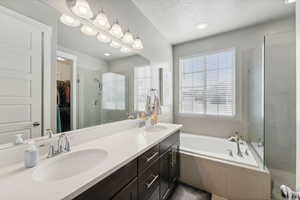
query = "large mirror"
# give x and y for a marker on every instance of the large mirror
(63, 72)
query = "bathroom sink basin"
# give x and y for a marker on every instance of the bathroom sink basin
(155, 128)
(69, 165)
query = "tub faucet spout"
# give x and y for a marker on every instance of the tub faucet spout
(239, 152)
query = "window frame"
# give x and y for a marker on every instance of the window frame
(114, 109)
(234, 88)
(135, 86)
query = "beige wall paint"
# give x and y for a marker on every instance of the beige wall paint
(242, 40)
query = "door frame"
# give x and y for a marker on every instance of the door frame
(46, 64)
(73, 88)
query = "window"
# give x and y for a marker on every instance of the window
(113, 95)
(142, 86)
(207, 84)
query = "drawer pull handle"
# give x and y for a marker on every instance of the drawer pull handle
(148, 185)
(166, 194)
(153, 156)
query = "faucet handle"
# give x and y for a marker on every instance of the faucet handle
(51, 151)
(67, 145)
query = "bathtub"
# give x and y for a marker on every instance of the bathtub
(217, 148)
(206, 164)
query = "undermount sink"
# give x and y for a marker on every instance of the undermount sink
(69, 165)
(155, 128)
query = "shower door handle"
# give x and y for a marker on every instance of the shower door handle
(288, 194)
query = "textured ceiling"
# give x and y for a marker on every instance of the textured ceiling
(176, 19)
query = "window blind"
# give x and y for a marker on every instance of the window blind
(207, 84)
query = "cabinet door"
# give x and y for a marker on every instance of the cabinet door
(129, 192)
(165, 174)
(174, 165)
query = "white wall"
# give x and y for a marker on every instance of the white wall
(242, 40)
(298, 93)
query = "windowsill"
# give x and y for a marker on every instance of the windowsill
(214, 117)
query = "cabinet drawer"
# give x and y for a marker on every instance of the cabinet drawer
(129, 192)
(108, 187)
(148, 158)
(149, 182)
(168, 142)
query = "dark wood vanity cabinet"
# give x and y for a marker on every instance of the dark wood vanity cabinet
(169, 171)
(152, 176)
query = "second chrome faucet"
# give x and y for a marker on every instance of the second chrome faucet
(62, 145)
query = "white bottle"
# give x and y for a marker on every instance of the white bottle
(31, 155)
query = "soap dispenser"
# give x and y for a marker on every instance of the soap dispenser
(31, 155)
(19, 139)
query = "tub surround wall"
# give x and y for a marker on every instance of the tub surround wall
(242, 40)
(225, 180)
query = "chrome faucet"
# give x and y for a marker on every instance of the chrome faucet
(63, 145)
(239, 152)
(237, 139)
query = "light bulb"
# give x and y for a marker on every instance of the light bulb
(87, 30)
(101, 21)
(70, 21)
(289, 1)
(125, 50)
(128, 38)
(202, 26)
(137, 44)
(103, 38)
(115, 44)
(116, 30)
(82, 9)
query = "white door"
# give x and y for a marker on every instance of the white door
(20, 78)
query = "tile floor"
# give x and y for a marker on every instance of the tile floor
(184, 192)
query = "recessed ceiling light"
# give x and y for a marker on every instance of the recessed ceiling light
(107, 54)
(202, 26)
(61, 58)
(289, 1)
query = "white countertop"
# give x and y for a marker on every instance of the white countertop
(16, 182)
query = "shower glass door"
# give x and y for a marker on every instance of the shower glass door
(280, 109)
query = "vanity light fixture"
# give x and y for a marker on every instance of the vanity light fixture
(202, 26)
(116, 30)
(115, 44)
(70, 21)
(125, 50)
(107, 33)
(107, 54)
(87, 30)
(82, 9)
(103, 38)
(137, 44)
(128, 38)
(289, 1)
(101, 21)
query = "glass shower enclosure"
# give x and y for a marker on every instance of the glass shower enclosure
(280, 109)
(271, 75)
